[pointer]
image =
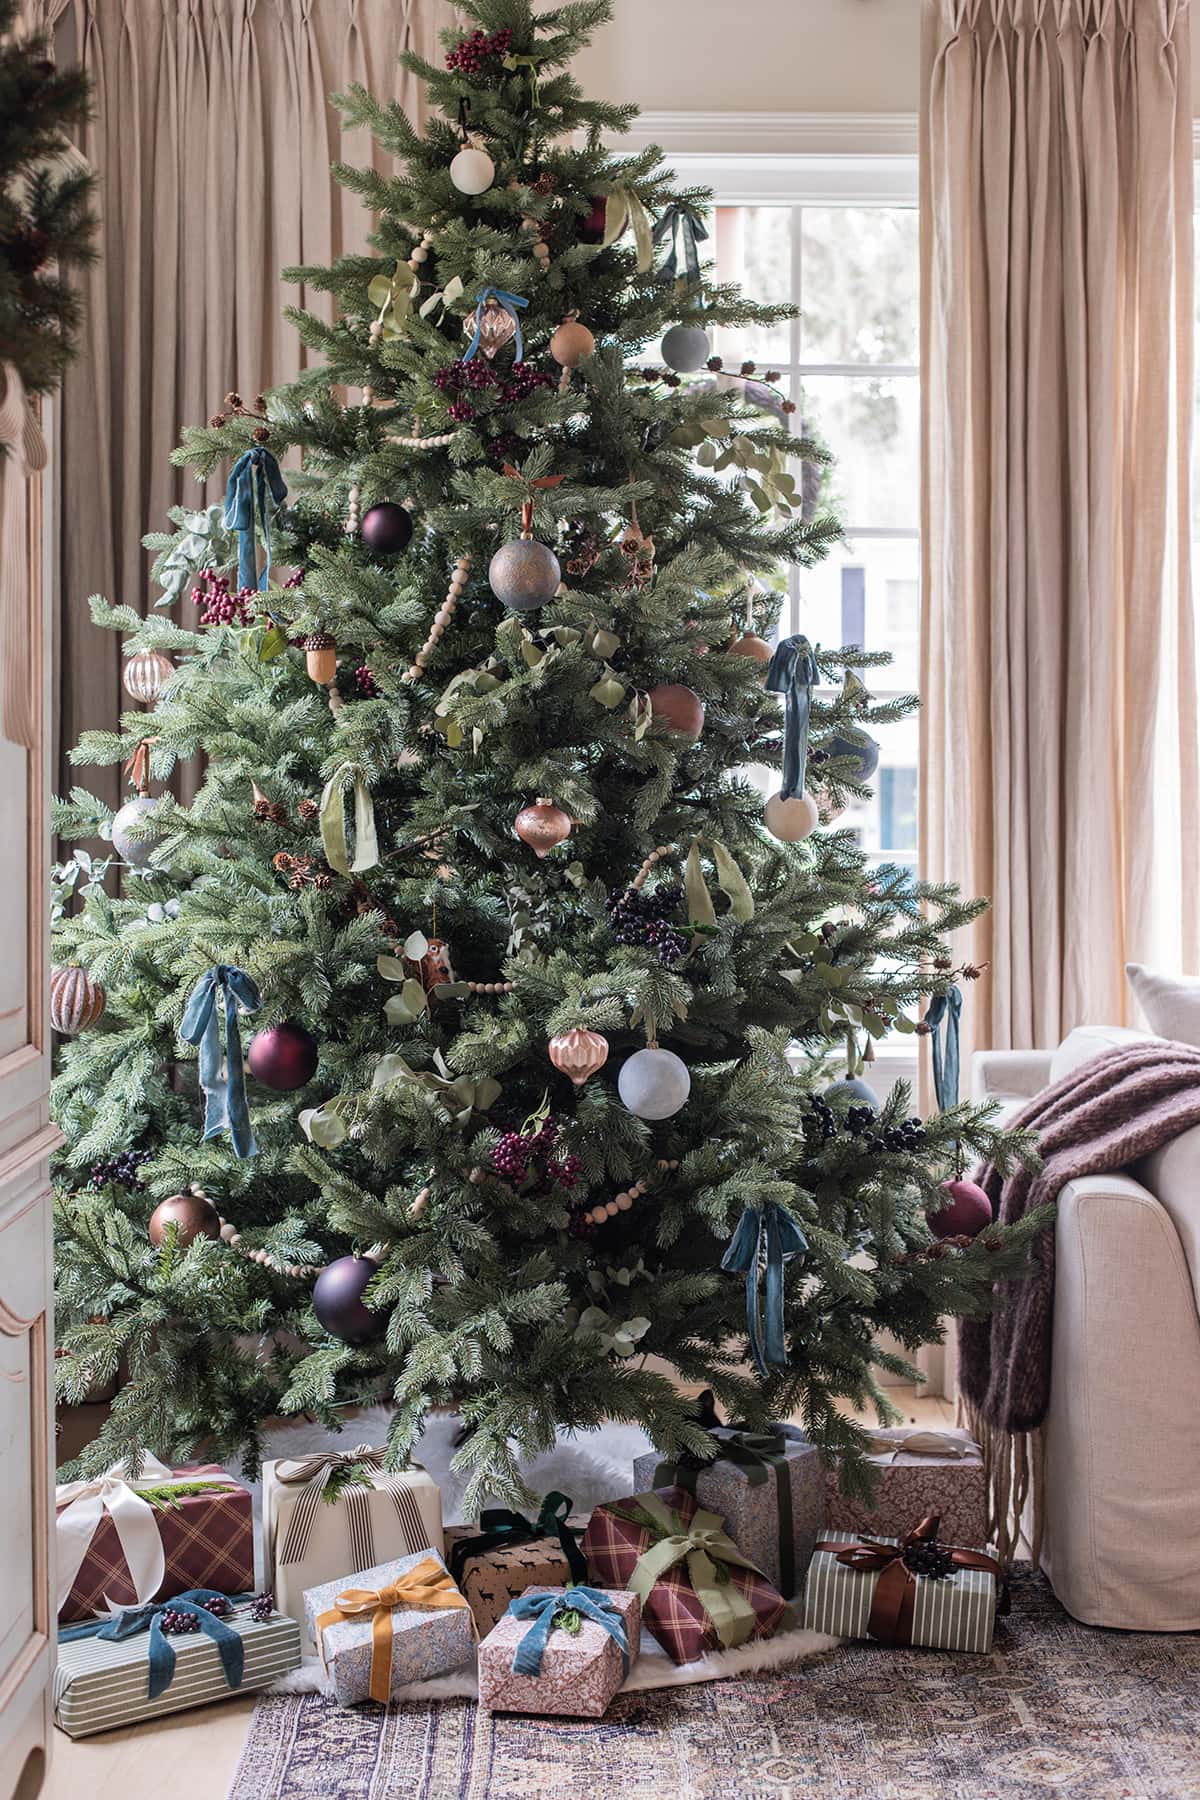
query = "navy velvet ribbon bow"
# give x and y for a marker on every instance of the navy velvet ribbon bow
(765, 1237)
(544, 1609)
(942, 1015)
(511, 304)
(160, 1654)
(792, 672)
(679, 227)
(253, 475)
(500, 1528)
(224, 1092)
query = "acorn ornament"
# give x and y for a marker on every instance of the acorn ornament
(542, 826)
(77, 1000)
(578, 1054)
(320, 657)
(678, 708)
(793, 819)
(338, 1300)
(968, 1213)
(654, 1083)
(192, 1214)
(685, 348)
(386, 528)
(147, 673)
(284, 1056)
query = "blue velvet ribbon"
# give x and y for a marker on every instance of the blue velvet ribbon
(765, 1236)
(511, 303)
(544, 1609)
(224, 1092)
(942, 1016)
(792, 672)
(160, 1654)
(252, 476)
(679, 227)
(500, 1529)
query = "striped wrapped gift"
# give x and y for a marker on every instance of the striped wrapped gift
(100, 1684)
(955, 1612)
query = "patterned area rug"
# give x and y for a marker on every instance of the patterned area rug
(1058, 1709)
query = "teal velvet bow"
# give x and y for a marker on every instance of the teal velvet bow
(500, 1528)
(792, 672)
(160, 1654)
(510, 303)
(944, 1011)
(768, 1236)
(544, 1609)
(253, 475)
(225, 1105)
(679, 227)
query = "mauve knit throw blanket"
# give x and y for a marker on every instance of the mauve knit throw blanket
(1103, 1116)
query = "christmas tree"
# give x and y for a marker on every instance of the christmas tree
(537, 1111)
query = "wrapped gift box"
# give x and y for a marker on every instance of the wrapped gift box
(856, 1589)
(507, 1553)
(624, 1544)
(374, 1651)
(769, 1487)
(184, 1528)
(327, 1513)
(919, 1472)
(100, 1683)
(580, 1670)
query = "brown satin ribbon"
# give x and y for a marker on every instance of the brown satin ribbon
(893, 1604)
(427, 1584)
(138, 767)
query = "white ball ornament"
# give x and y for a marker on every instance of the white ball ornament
(654, 1084)
(685, 348)
(791, 820)
(136, 851)
(472, 170)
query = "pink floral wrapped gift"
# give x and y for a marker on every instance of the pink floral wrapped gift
(561, 1651)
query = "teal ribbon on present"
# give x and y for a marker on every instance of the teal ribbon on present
(503, 1529)
(680, 227)
(510, 303)
(546, 1609)
(792, 672)
(225, 1107)
(253, 475)
(758, 1454)
(764, 1239)
(160, 1654)
(942, 1015)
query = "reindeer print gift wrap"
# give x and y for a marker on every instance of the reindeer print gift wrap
(508, 1553)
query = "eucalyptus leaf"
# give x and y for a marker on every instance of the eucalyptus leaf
(416, 945)
(391, 968)
(699, 901)
(325, 1130)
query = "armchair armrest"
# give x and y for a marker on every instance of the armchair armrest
(1009, 1074)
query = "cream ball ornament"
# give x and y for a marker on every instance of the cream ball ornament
(791, 820)
(654, 1083)
(138, 850)
(472, 170)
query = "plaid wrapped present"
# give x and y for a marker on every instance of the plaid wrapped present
(919, 1472)
(124, 1543)
(907, 1590)
(769, 1487)
(383, 1628)
(560, 1651)
(509, 1553)
(698, 1591)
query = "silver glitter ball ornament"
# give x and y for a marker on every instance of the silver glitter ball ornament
(524, 574)
(136, 851)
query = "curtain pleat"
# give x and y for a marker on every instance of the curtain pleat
(1059, 727)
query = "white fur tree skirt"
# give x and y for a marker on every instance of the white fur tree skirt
(590, 1467)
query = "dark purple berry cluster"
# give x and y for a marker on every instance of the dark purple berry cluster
(863, 1122)
(506, 446)
(641, 917)
(460, 375)
(365, 684)
(929, 1560)
(218, 604)
(522, 1155)
(261, 1608)
(119, 1171)
(217, 1605)
(523, 380)
(177, 1624)
(471, 54)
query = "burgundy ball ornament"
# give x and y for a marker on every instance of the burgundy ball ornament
(968, 1213)
(524, 574)
(386, 528)
(284, 1056)
(678, 708)
(192, 1215)
(338, 1300)
(591, 231)
(685, 348)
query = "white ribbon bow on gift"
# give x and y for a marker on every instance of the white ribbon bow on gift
(900, 1441)
(85, 1503)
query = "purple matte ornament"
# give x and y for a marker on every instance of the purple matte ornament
(969, 1211)
(386, 528)
(283, 1057)
(337, 1300)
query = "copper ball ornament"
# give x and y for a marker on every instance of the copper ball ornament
(752, 646)
(146, 674)
(337, 1299)
(793, 819)
(542, 826)
(77, 1000)
(685, 348)
(524, 574)
(283, 1056)
(138, 850)
(578, 1054)
(192, 1215)
(969, 1211)
(678, 708)
(571, 343)
(386, 528)
(472, 171)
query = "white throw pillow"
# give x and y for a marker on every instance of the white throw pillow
(1171, 1003)
(1088, 1041)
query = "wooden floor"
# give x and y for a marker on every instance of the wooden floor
(193, 1755)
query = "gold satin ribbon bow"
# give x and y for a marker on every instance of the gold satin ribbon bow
(426, 1584)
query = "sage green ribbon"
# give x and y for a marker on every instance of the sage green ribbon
(623, 208)
(708, 1552)
(333, 823)
(756, 1453)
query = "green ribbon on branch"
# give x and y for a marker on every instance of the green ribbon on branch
(333, 823)
(623, 208)
(709, 1554)
(730, 880)
(757, 1454)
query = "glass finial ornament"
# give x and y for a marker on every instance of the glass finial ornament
(654, 1083)
(578, 1053)
(543, 826)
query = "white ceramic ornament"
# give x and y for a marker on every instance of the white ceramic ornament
(136, 851)
(791, 820)
(472, 170)
(654, 1084)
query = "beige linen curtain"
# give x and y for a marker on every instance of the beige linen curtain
(1059, 727)
(213, 139)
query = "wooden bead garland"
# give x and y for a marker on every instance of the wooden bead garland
(232, 1236)
(623, 1201)
(441, 617)
(655, 856)
(490, 987)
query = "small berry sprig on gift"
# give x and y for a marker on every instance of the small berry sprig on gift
(472, 55)
(261, 1608)
(119, 1171)
(218, 604)
(530, 1158)
(641, 917)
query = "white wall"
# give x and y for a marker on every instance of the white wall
(804, 56)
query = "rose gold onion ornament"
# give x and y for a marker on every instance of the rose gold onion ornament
(542, 826)
(578, 1053)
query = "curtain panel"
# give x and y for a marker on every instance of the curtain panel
(1059, 724)
(213, 138)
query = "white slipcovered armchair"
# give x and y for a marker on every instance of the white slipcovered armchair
(1121, 1535)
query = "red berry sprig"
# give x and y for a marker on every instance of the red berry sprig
(219, 606)
(470, 55)
(529, 1157)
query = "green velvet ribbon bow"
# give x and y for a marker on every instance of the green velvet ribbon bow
(708, 1552)
(503, 1529)
(758, 1454)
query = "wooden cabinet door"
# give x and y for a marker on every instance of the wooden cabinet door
(27, 1643)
